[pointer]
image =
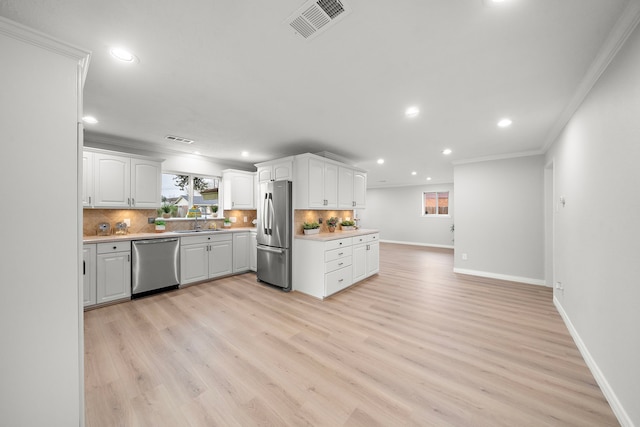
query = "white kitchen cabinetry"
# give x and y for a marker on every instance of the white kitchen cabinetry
(89, 275)
(239, 189)
(241, 243)
(366, 256)
(359, 189)
(327, 184)
(322, 268)
(113, 271)
(276, 170)
(352, 187)
(124, 182)
(316, 182)
(253, 251)
(87, 179)
(205, 257)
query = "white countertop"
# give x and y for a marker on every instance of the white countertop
(338, 234)
(139, 236)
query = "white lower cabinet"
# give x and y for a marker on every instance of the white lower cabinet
(322, 268)
(205, 257)
(253, 251)
(241, 243)
(89, 275)
(366, 256)
(113, 269)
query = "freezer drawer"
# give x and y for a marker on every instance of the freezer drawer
(274, 266)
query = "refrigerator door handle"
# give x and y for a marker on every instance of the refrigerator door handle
(265, 205)
(272, 250)
(271, 214)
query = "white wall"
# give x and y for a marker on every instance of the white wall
(40, 307)
(499, 219)
(397, 213)
(597, 233)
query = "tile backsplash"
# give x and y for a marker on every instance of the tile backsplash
(139, 220)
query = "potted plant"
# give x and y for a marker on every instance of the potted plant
(311, 228)
(348, 225)
(214, 211)
(160, 225)
(227, 222)
(332, 223)
(165, 210)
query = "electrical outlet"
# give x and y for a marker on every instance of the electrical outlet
(245, 219)
(127, 221)
(319, 220)
(151, 220)
(232, 219)
(464, 257)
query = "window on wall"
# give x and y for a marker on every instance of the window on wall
(186, 191)
(435, 203)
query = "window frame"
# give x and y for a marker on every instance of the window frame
(191, 190)
(437, 198)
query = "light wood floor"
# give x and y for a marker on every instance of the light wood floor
(416, 345)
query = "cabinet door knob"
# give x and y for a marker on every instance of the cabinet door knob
(115, 247)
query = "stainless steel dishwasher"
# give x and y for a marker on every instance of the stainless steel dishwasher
(155, 266)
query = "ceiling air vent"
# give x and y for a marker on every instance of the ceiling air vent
(316, 16)
(179, 139)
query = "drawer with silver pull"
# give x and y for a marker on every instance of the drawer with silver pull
(336, 264)
(339, 243)
(337, 254)
(337, 280)
(113, 247)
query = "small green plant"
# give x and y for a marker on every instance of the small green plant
(214, 208)
(165, 208)
(310, 225)
(347, 223)
(227, 221)
(332, 222)
(160, 222)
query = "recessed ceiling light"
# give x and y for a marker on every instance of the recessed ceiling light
(414, 173)
(412, 112)
(447, 151)
(428, 178)
(244, 153)
(197, 153)
(122, 54)
(90, 119)
(380, 161)
(506, 122)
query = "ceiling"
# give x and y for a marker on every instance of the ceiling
(234, 76)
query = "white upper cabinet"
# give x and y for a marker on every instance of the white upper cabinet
(239, 189)
(146, 184)
(345, 188)
(359, 189)
(276, 170)
(87, 179)
(326, 184)
(112, 180)
(120, 181)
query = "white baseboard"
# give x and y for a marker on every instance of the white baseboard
(527, 280)
(608, 392)
(429, 245)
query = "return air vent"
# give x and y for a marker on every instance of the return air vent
(316, 16)
(179, 139)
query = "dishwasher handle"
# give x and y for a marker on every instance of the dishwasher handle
(153, 241)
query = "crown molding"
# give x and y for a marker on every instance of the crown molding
(498, 157)
(615, 40)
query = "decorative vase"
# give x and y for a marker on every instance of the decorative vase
(311, 231)
(160, 228)
(332, 229)
(347, 227)
(166, 215)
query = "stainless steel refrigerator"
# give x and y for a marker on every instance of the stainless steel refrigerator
(274, 234)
